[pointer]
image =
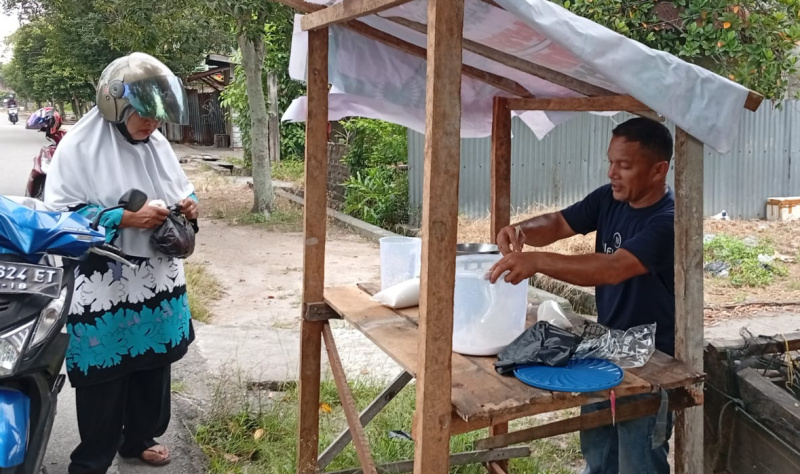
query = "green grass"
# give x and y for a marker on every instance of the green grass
(282, 219)
(289, 170)
(243, 438)
(203, 289)
(745, 269)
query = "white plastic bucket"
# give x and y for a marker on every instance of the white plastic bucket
(401, 259)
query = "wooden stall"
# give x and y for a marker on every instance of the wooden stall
(457, 393)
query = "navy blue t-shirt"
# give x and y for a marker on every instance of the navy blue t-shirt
(647, 233)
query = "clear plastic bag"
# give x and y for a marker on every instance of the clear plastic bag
(628, 349)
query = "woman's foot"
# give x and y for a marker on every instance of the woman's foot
(157, 455)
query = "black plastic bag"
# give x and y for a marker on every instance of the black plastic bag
(541, 343)
(174, 237)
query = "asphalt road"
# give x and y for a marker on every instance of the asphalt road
(18, 146)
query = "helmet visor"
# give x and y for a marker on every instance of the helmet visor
(161, 98)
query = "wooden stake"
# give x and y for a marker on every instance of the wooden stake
(348, 403)
(314, 222)
(689, 291)
(439, 227)
(497, 430)
(501, 167)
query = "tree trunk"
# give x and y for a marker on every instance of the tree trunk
(76, 108)
(61, 109)
(253, 64)
(274, 126)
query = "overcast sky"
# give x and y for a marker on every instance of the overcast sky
(8, 24)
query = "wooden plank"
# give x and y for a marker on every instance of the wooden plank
(753, 101)
(764, 345)
(667, 372)
(517, 63)
(366, 416)
(314, 229)
(320, 312)
(501, 167)
(348, 403)
(497, 430)
(754, 450)
(439, 229)
(497, 467)
(773, 405)
(689, 291)
(346, 10)
(678, 399)
(460, 459)
(611, 103)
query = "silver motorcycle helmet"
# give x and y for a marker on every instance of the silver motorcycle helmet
(141, 82)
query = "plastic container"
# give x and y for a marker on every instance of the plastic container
(401, 259)
(486, 316)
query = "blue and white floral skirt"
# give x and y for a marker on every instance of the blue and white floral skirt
(125, 319)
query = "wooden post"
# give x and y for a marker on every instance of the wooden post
(689, 291)
(314, 222)
(439, 227)
(501, 166)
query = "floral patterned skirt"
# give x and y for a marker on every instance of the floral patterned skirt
(125, 319)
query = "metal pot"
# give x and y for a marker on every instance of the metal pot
(476, 249)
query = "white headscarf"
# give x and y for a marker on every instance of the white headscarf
(95, 164)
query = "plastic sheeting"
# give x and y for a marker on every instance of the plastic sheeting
(374, 80)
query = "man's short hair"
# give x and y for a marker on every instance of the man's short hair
(653, 136)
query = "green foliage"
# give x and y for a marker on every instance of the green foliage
(749, 41)
(292, 171)
(277, 32)
(745, 269)
(377, 191)
(249, 438)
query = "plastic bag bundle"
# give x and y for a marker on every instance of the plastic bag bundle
(174, 237)
(628, 349)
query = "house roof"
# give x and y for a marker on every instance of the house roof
(513, 48)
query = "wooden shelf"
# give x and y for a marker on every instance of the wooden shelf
(481, 396)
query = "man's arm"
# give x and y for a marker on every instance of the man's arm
(583, 270)
(538, 231)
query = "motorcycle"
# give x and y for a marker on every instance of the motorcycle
(39, 250)
(45, 120)
(13, 115)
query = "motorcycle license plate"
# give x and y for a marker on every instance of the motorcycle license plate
(32, 279)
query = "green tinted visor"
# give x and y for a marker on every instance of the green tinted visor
(161, 98)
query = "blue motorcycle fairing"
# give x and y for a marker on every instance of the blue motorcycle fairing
(24, 231)
(15, 412)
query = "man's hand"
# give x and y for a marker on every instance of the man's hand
(148, 217)
(189, 208)
(520, 265)
(511, 239)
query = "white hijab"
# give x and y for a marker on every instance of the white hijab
(94, 164)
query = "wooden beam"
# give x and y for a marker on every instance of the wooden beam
(345, 11)
(320, 312)
(366, 416)
(439, 229)
(501, 167)
(348, 403)
(753, 101)
(689, 291)
(678, 400)
(519, 64)
(460, 459)
(610, 103)
(498, 430)
(314, 229)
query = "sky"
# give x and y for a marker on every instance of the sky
(8, 24)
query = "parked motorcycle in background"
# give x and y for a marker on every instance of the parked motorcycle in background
(46, 120)
(13, 115)
(39, 250)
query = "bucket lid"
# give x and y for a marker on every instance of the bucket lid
(579, 375)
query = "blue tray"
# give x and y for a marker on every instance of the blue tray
(582, 375)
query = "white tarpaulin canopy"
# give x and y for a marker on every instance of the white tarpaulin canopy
(375, 80)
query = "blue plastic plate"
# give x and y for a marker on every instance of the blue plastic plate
(582, 375)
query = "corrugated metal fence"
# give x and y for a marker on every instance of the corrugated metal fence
(571, 161)
(206, 119)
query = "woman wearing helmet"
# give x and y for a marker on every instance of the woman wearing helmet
(126, 325)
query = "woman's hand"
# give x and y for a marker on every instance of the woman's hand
(148, 217)
(189, 208)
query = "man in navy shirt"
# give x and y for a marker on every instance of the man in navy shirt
(632, 269)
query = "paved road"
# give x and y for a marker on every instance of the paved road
(18, 146)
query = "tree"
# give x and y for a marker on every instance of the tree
(248, 19)
(752, 42)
